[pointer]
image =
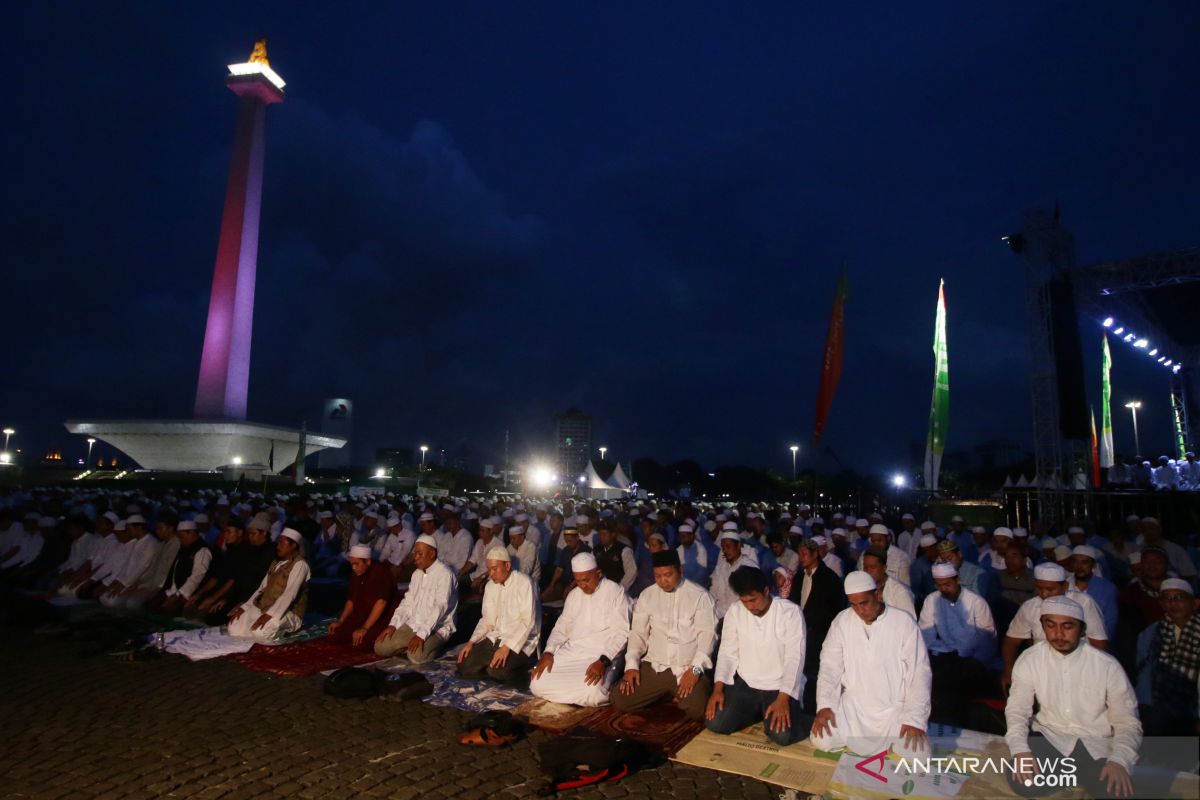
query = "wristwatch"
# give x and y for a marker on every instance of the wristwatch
(697, 671)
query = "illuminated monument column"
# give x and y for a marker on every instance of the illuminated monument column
(225, 362)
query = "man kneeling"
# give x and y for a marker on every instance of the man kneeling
(424, 620)
(277, 608)
(670, 643)
(760, 664)
(504, 641)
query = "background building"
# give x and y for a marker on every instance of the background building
(573, 443)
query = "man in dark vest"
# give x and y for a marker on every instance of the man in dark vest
(818, 591)
(277, 608)
(615, 559)
(238, 572)
(187, 571)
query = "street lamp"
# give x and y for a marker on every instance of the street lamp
(424, 450)
(795, 449)
(898, 481)
(7, 433)
(91, 443)
(1133, 407)
(603, 450)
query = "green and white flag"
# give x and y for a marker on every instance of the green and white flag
(1177, 418)
(939, 410)
(1106, 436)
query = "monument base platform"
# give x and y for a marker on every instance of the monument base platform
(204, 445)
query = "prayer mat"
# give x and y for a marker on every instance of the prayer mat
(554, 718)
(451, 691)
(749, 752)
(206, 643)
(662, 726)
(302, 658)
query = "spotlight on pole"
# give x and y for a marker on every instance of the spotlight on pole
(1143, 343)
(898, 480)
(1119, 331)
(1108, 321)
(1154, 352)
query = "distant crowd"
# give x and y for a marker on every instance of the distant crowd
(1166, 475)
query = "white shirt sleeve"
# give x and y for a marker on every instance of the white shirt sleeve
(729, 652)
(566, 623)
(639, 630)
(200, 565)
(829, 676)
(517, 616)
(1018, 711)
(794, 646)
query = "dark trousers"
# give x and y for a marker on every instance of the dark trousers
(1087, 770)
(956, 681)
(515, 671)
(745, 706)
(655, 687)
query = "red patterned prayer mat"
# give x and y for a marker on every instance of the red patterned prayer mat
(303, 658)
(661, 726)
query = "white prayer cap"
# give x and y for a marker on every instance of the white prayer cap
(320, 515)
(957, 518)
(785, 515)
(371, 515)
(731, 536)
(498, 554)
(449, 507)
(135, 519)
(1075, 529)
(1132, 518)
(710, 525)
(653, 516)
(944, 569)
(752, 515)
(838, 532)
(687, 526)
(659, 536)
(1020, 533)
(818, 521)
(186, 525)
(1003, 532)
(1063, 607)
(583, 562)
(979, 529)
(1062, 552)
(521, 518)
(425, 538)
(393, 519)
(928, 540)
(730, 526)
(857, 582)
(119, 525)
(1086, 550)
(836, 515)
(487, 522)
(878, 530)
(796, 529)
(113, 518)
(426, 517)
(361, 551)
(929, 525)
(1047, 571)
(293, 534)
(908, 516)
(1176, 584)
(820, 540)
(1048, 543)
(863, 522)
(1135, 557)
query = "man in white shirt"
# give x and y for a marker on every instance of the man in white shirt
(896, 560)
(188, 569)
(506, 638)
(582, 655)
(524, 554)
(1086, 708)
(454, 544)
(892, 592)
(829, 553)
(670, 643)
(277, 607)
(143, 547)
(908, 539)
(424, 620)
(397, 545)
(961, 636)
(760, 664)
(874, 683)
(476, 568)
(1051, 581)
(730, 560)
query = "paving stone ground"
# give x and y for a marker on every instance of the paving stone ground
(77, 724)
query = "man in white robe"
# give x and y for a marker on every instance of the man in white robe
(583, 653)
(898, 562)
(670, 643)
(424, 620)
(505, 641)
(732, 557)
(1087, 709)
(454, 543)
(873, 687)
(760, 664)
(277, 607)
(892, 591)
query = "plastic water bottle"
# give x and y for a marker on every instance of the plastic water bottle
(160, 642)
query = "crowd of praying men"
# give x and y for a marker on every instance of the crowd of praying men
(847, 631)
(1166, 475)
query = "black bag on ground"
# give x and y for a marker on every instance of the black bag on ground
(352, 683)
(499, 722)
(582, 757)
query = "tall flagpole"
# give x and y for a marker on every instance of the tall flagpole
(939, 409)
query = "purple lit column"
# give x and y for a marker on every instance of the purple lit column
(225, 361)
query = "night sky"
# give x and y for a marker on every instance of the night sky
(477, 215)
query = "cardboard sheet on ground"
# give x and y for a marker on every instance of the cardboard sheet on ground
(751, 753)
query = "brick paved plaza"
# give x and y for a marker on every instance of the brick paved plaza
(81, 724)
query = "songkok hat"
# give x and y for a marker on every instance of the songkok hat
(665, 558)
(730, 536)
(1176, 584)
(135, 519)
(928, 540)
(1047, 571)
(943, 569)
(1063, 607)
(1003, 532)
(878, 530)
(1086, 550)
(498, 554)
(929, 525)
(186, 525)
(1062, 552)
(361, 551)
(583, 562)
(425, 538)
(857, 582)
(293, 534)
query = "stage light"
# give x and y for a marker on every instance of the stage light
(1108, 321)
(1141, 343)
(381, 473)
(1119, 331)
(237, 460)
(1175, 368)
(1128, 337)
(1154, 352)
(542, 477)
(1167, 363)
(1162, 359)
(898, 481)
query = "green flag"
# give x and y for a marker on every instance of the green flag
(1106, 436)
(1177, 418)
(939, 410)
